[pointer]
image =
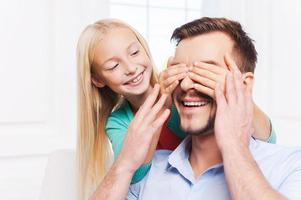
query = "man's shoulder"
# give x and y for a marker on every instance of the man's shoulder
(161, 158)
(277, 158)
(280, 165)
(262, 150)
(159, 162)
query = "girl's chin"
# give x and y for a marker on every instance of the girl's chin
(137, 91)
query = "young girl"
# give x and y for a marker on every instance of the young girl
(115, 76)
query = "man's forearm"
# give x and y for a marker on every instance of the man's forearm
(244, 178)
(115, 185)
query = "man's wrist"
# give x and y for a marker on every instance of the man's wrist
(233, 146)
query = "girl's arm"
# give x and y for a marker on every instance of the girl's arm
(146, 124)
(263, 127)
(117, 128)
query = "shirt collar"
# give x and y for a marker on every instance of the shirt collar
(179, 159)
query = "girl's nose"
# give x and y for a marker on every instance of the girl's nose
(130, 68)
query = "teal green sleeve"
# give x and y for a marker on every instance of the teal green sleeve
(174, 123)
(116, 129)
(272, 139)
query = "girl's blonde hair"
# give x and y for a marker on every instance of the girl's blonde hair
(94, 106)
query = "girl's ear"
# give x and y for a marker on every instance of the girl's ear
(248, 79)
(97, 81)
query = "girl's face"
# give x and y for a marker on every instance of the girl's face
(122, 64)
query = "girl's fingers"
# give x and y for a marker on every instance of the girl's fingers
(171, 88)
(172, 74)
(204, 90)
(149, 102)
(152, 114)
(176, 69)
(161, 118)
(211, 67)
(172, 79)
(202, 80)
(173, 71)
(206, 73)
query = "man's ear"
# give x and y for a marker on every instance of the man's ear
(248, 79)
(97, 81)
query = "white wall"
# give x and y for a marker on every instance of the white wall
(275, 26)
(38, 86)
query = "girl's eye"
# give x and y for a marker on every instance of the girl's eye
(111, 68)
(135, 53)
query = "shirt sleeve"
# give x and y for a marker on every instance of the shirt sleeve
(116, 129)
(272, 139)
(133, 193)
(290, 188)
(174, 123)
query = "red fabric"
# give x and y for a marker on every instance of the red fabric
(168, 140)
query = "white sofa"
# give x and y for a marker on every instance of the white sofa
(59, 182)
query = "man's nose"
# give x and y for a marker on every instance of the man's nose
(186, 84)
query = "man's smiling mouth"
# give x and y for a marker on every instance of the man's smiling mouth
(195, 103)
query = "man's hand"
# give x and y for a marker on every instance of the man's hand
(233, 128)
(233, 122)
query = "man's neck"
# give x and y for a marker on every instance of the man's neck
(204, 153)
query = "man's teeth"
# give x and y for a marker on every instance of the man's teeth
(195, 104)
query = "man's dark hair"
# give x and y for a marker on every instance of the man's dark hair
(244, 50)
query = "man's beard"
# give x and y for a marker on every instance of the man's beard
(205, 130)
(208, 128)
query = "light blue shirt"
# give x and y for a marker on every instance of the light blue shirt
(171, 175)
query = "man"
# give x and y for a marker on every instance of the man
(219, 160)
